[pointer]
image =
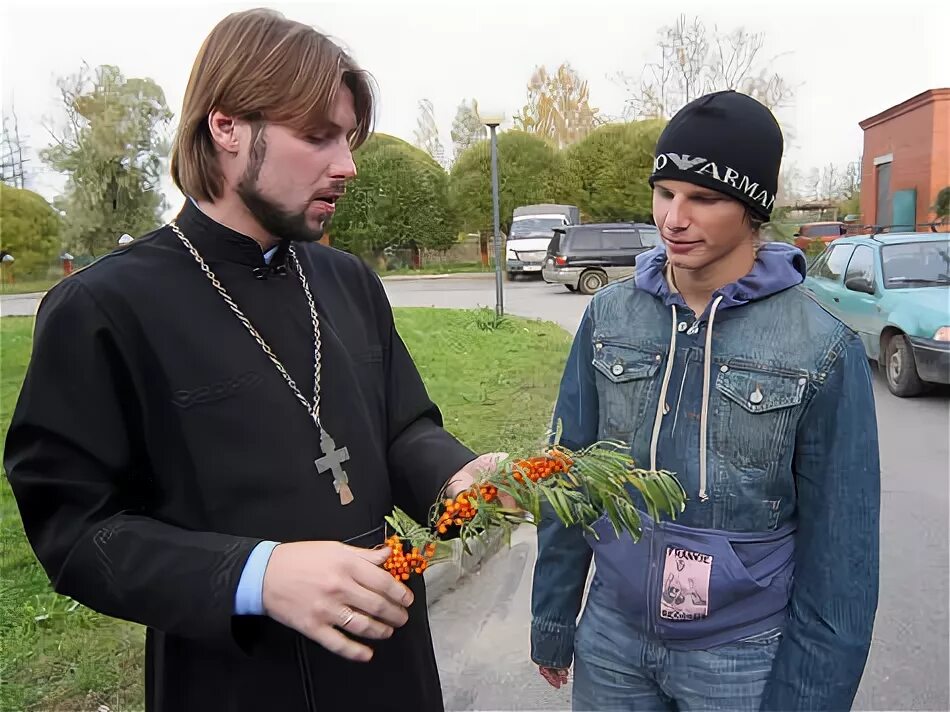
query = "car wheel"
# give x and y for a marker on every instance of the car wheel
(592, 281)
(900, 369)
(571, 287)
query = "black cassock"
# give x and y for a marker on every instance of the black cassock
(154, 445)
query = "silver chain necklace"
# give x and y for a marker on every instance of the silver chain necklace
(333, 457)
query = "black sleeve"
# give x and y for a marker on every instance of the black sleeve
(78, 471)
(422, 455)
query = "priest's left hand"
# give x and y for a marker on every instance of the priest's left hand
(469, 475)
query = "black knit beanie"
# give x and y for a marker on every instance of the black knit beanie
(727, 142)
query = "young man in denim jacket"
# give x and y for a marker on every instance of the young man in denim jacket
(712, 364)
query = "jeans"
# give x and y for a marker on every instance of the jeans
(618, 670)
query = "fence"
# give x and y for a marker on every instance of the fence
(468, 251)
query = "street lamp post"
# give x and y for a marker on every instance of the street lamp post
(492, 121)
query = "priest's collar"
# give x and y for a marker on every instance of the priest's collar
(218, 243)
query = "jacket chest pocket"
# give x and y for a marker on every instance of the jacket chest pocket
(627, 384)
(756, 416)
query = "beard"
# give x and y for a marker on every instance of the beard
(283, 224)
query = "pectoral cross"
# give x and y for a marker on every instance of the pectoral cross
(332, 461)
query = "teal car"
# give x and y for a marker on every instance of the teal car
(894, 290)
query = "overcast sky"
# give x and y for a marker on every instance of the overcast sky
(849, 59)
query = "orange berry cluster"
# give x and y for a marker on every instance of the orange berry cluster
(463, 508)
(456, 512)
(488, 492)
(401, 565)
(539, 468)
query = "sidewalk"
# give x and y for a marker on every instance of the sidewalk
(446, 576)
(19, 304)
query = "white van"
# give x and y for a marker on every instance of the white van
(532, 227)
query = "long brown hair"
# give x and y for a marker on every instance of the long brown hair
(259, 66)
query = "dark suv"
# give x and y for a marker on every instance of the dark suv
(586, 257)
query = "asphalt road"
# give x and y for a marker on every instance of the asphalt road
(481, 629)
(19, 304)
(523, 297)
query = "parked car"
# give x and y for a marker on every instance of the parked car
(532, 227)
(825, 232)
(894, 290)
(587, 257)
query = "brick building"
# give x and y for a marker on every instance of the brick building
(906, 160)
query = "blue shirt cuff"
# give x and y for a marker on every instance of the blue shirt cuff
(249, 599)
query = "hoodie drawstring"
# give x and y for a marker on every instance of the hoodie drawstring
(704, 417)
(704, 413)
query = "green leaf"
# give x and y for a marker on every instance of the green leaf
(560, 505)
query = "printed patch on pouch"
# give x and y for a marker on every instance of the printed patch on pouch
(685, 595)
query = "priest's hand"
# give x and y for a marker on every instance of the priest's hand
(470, 474)
(323, 588)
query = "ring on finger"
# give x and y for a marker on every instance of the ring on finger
(346, 615)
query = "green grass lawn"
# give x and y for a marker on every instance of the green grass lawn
(495, 382)
(42, 285)
(27, 286)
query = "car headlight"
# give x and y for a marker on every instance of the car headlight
(943, 334)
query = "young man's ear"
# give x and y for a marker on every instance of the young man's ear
(225, 132)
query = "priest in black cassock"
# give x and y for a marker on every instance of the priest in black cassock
(217, 417)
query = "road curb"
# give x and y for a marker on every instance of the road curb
(448, 575)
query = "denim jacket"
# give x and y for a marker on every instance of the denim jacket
(763, 408)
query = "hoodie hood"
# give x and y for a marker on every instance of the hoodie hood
(777, 267)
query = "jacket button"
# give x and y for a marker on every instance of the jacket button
(724, 369)
(617, 369)
(683, 326)
(756, 397)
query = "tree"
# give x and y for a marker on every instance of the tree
(378, 141)
(735, 65)
(790, 181)
(29, 230)
(832, 183)
(849, 189)
(612, 167)
(941, 205)
(112, 150)
(694, 61)
(399, 198)
(427, 133)
(467, 128)
(11, 152)
(830, 188)
(558, 106)
(530, 170)
(813, 183)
